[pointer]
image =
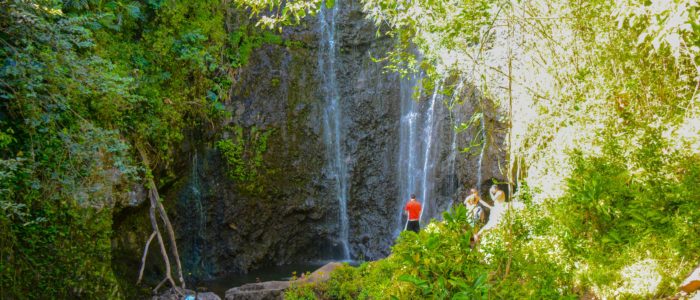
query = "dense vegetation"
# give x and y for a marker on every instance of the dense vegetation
(84, 85)
(601, 100)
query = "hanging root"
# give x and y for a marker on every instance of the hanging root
(143, 259)
(156, 205)
(161, 243)
(171, 235)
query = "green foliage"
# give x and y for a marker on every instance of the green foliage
(243, 153)
(438, 263)
(61, 161)
(245, 40)
(82, 83)
(301, 292)
(278, 13)
(428, 26)
(619, 205)
(63, 251)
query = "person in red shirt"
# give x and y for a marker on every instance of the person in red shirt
(413, 209)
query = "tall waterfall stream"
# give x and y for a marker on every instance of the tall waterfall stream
(332, 121)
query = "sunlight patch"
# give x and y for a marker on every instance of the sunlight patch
(639, 279)
(432, 228)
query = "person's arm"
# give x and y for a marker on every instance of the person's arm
(501, 196)
(485, 204)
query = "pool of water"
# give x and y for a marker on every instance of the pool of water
(283, 272)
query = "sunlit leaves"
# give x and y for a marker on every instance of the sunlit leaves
(612, 82)
(277, 13)
(672, 24)
(436, 29)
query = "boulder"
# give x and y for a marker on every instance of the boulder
(270, 290)
(173, 294)
(321, 274)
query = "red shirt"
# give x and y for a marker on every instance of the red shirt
(413, 208)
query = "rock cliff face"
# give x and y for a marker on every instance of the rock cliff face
(277, 202)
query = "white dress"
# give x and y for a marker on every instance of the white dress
(497, 211)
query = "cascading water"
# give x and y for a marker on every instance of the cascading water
(332, 120)
(419, 140)
(195, 230)
(481, 154)
(407, 138)
(428, 162)
(452, 158)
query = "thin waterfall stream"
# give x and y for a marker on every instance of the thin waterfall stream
(427, 187)
(481, 154)
(332, 120)
(452, 158)
(197, 223)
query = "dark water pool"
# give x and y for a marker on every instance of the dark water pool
(284, 272)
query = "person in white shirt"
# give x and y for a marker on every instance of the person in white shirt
(475, 213)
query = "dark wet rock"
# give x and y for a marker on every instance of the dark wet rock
(136, 195)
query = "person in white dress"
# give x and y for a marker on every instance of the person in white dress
(497, 210)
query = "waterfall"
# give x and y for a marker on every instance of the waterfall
(427, 159)
(451, 165)
(407, 138)
(483, 149)
(332, 120)
(418, 144)
(451, 159)
(196, 220)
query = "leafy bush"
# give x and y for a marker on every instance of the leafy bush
(438, 263)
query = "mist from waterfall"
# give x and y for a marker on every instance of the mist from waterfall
(332, 120)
